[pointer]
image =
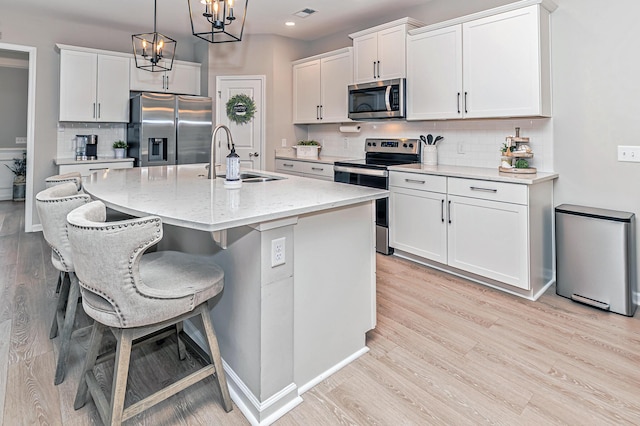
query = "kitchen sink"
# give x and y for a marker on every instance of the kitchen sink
(251, 177)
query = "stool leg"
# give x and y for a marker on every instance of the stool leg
(120, 374)
(67, 328)
(182, 350)
(60, 278)
(215, 356)
(89, 362)
(63, 294)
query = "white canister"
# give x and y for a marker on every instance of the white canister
(430, 155)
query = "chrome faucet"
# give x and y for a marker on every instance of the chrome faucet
(212, 159)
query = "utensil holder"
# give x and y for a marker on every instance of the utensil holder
(430, 155)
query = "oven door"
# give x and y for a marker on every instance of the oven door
(372, 178)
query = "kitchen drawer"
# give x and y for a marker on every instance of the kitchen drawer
(288, 166)
(489, 190)
(418, 181)
(88, 168)
(318, 169)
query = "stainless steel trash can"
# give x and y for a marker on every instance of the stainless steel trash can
(596, 257)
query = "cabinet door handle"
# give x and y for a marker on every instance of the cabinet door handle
(167, 80)
(94, 110)
(465, 103)
(99, 114)
(321, 112)
(374, 69)
(319, 169)
(442, 211)
(449, 212)
(458, 102)
(475, 188)
(421, 182)
(317, 112)
(378, 69)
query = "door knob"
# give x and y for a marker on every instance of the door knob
(255, 154)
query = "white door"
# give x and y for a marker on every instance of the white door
(248, 137)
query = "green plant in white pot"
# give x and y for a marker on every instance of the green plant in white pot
(19, 169)
(120, 148)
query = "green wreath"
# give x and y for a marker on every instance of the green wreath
(240, 109)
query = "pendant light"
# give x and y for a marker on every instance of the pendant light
(153, 51)
(215, 20)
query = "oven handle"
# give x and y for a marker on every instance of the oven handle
(387, 98)
(360, 171)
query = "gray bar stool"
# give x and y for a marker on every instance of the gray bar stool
(133, 294)
(53, 205)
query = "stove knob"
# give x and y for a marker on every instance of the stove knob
(404, 145)
(410, 145)
(368, 143)
(374, 144)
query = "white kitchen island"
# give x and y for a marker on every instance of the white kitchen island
(283, 328)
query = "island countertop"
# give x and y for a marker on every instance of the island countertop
(183, 196)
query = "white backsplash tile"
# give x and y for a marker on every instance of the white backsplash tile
(480, 139)
(107, 134)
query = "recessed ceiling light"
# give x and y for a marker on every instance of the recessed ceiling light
(290, 23)
(304, 13)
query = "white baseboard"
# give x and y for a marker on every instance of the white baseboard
(311, 383)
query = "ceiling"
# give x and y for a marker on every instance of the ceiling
(263, 17)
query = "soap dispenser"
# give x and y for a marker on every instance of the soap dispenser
(232, 178)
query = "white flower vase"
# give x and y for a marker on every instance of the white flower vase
(119, 152)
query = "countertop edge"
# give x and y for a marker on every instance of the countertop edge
(476, 173)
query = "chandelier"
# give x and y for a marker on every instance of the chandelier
(215, 20)
(153, 51)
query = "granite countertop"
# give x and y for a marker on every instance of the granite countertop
(67, 161)
(491, 174)
(183, 196)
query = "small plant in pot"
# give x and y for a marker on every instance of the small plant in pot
(120, 148)
(19, 169)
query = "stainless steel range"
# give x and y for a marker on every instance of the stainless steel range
(373, 172)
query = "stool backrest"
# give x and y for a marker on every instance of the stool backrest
(74, 177)
(107, 259)
(53, 205)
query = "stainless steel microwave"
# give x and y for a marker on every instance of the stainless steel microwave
(380, 99)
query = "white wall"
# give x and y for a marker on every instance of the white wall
(271, 56)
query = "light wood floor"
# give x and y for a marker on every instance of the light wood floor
(445, 351)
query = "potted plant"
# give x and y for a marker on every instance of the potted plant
(120, 148)
(307, 149)
(19, 169)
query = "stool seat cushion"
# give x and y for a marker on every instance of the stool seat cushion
(73, 177)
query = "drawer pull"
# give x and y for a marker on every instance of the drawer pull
(475, 188)
(287, 165)
(320, 169)
(422, 182)
(102, 168)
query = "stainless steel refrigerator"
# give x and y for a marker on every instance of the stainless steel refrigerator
(169, 129)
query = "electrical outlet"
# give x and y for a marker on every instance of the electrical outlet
(284, 143)
(629, 153)
(461, 149)
(346, 143)
(277, 252)
(21, 140)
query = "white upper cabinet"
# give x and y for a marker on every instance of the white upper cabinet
(497, 65)
(320, 87)
(380, 52)
(184, 79)
(434, 87)
(93, 86)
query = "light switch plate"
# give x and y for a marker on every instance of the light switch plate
(629, 153)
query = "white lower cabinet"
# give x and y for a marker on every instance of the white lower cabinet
(312, 169)
(494, 230)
